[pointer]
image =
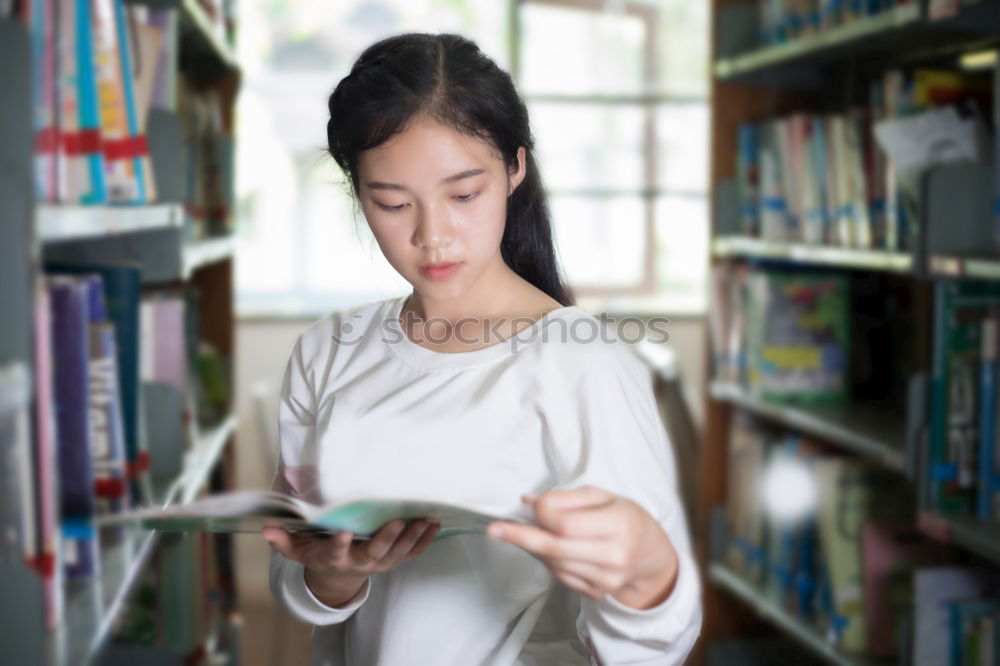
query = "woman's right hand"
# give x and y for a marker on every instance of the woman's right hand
(338, 564)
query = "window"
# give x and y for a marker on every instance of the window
(618, 107)
(618, 104)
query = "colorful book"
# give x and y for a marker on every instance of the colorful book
(138, 148)
(797, 336)
(88, 139)
(122, 286)
(123, 185)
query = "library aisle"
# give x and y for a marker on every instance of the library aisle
(826, 253)
(850, 471)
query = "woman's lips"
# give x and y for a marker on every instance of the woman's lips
(441, 272)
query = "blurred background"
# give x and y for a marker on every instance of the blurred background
(806, 190)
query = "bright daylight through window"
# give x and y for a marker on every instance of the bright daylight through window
(618, 106)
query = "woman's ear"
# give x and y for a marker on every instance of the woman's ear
(518, 175)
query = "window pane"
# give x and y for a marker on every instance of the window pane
(682, 251)
(589, 146)
(600, 241)
(683, 62)
(682, 139)
(580, 51)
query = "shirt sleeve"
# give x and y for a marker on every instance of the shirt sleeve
(296, 475)
(621, 445)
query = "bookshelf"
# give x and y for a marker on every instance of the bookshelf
(809, 637)
(819, 73)
(817, 255)
(158, 237)
(92, 608)
(867, 431)
(904, 29)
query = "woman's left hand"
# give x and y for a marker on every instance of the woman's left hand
(598, 543)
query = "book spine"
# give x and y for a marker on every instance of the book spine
(48, 562)
(747, 169)
(122, 185)
(140, 150)
(88, 107)
(70, 355)
(987, 416)
(110, 482)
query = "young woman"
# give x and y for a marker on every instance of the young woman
(484, 386)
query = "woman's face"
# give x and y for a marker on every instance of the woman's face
(434, 196)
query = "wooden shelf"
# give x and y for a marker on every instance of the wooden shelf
(857, 37)
(858, 428)
(985, 268)
(92, 607)
(809, 636)
(839, 257)
(56, 223)
(967, 532)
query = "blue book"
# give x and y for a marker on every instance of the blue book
(88, 105)
(107, 446)
(989, 480)
(122, 284)
(71, 396)
(748, 179)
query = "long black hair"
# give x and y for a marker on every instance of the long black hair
(446, 77)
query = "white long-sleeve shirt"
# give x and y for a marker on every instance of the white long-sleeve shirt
(364, 409)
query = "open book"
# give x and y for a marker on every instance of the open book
(250, 510)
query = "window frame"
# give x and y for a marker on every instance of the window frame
(650, 102)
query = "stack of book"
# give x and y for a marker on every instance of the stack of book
(124, 387)
(964, 470)
(98, 68)
(101, 70)
(783, 336)
(785, 20)
(835, 544)
(826, 179)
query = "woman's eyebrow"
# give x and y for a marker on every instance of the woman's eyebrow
(379, 185)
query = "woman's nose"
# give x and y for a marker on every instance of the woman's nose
(434, 229)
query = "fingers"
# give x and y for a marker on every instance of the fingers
(596, 576)
(279, 539)
(426, 539)
(405, 542)
(575, 498)
(379, 545)
(579, 584)
(301, 546)
(546, 544)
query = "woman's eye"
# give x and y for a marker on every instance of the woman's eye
(466, 197)
(392, 209)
